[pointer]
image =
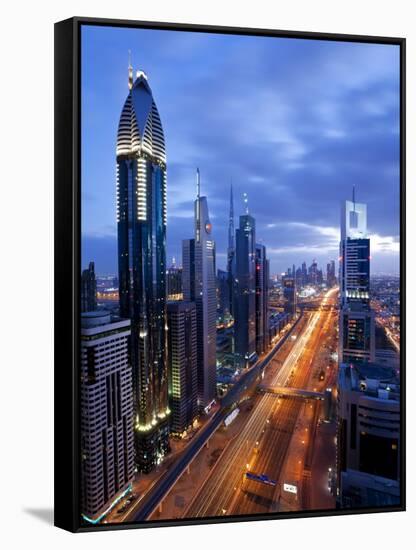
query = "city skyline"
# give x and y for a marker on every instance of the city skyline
(314, 150)
(205, 349)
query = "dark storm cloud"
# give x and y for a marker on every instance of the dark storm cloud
(292, 123)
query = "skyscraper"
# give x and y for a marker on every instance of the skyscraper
(199, 285)
(174, 282)
(313, 273)
(88, 289)
(262, 300)
(141, 227)
(368, 435)
(245, 290)
(107, 442)
(223, 294)
(304, 274)
(182, 354)
(331, 279)
(357, 325)
(231, 255)
(289, 295)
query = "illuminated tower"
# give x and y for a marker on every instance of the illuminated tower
(199, 285)
(262, 299)
(141, 227)
(183, 376)
(245, 290)
(357, 325)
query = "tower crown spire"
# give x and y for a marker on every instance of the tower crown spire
(231, 222)
(130, 72)
(198, 184)
(198, 206)
(245, 199)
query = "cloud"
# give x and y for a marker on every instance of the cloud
(293, 123)
(384, 244)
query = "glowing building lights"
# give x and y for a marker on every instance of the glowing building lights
(141, 215)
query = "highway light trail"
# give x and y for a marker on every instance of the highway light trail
(217, 495)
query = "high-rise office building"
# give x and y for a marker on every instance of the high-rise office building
(304, 274)
(199, 285)
(368, 435)
(141, 227)
(356, 319)
(88, 289)
(107, 438)
(174, 282)
(299, 277)
(289, 295)
(231, 255)
(245, 290)
(262, 300)
(182, 354)
(331, 279)
(313, 273)
(223, 294)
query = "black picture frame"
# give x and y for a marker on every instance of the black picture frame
(68, 266)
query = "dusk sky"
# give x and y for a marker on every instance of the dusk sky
(293, 123)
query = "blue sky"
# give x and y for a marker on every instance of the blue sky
(293, 123)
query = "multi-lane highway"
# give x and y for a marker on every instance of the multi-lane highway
(144, 506)
(262, 444)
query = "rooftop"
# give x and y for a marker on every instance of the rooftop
(372, 379)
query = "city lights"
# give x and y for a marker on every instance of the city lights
(249, 357)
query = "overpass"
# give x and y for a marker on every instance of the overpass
(155, 496)
(291, 392)
(314, 306)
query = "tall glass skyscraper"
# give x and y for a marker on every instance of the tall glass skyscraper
(245, 290)
(199, 286)
(262, 299)
(141, 226)
(183, 375)
(289, 294)
(231, 255)
(88, 289)
(357, 325)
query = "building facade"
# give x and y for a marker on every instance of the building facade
(174, 282)
(223, 295)
(313, 275)
(141, 227)
(331, 279)
(107, 437)
(231, 255)
(262, 300)
(289, 295)
(88, 289)
(368, 434)
(199, 286)
(356, 319)
(245, 291)
(183, 375)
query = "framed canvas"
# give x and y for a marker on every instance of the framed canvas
(229, 274)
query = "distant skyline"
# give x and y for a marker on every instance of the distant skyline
(293, 123)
